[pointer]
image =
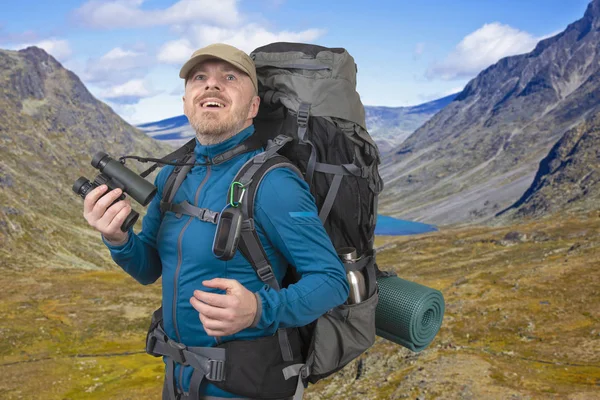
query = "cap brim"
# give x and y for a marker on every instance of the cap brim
(192, 62)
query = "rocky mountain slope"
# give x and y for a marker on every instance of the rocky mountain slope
(50, 127)
(568, 178)
(389, 126)
(480, 153)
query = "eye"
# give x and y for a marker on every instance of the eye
(230, 77)
(199, 77)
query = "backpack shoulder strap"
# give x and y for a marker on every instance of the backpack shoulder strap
(248, 180)
(245, 188)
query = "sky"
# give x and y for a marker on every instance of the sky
(128, 52)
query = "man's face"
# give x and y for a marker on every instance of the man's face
(219, 101)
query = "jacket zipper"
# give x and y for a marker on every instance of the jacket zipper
(177, 271)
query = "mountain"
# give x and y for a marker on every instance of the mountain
(50, 128)
(568, 177)
(481, 152)
(389, 126)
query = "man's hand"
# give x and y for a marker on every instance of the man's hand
(107, 220)
(225, 314)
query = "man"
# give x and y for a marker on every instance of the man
(207, 301)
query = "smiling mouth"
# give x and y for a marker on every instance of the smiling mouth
(212, 104)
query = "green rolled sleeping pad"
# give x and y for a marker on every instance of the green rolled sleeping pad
(408, 313)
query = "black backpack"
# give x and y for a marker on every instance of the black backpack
(311, 120)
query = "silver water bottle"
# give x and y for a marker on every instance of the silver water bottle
(356, 280)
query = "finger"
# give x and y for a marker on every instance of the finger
(213, 324)
(117, 221)
(92, 197)
(214, 299)
(213, 327)
(221, 283)
(103, 204)
(112, 211)
(105, 201)
(221, 314)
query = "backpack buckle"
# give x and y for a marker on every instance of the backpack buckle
(304, 372)
(281, 140)
(177, 356)
(216, 370)
(303, 114)
(265, 273)
(151, 343)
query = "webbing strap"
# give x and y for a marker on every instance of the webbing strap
(273, 146)
(250, 245)
(171, 379)
(185, 208)
(284, 345)
(330, 198)
(311, 165)
(292, 371)
(344, 169)
(302, 122)
(186, 148)
(248, 145)
(176, 178)
(358, 265)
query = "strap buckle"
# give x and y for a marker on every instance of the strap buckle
(303, 113)
(212, 216)
(365, 172)
(151, 343)
(248, 225)
(304, 372)
(281, 140)
(177, 356)
(265, 273)
(216, 370)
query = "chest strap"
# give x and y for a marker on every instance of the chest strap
(185, 208)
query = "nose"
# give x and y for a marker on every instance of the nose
(212, 83)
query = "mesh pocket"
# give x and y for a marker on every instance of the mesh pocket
(340, 336)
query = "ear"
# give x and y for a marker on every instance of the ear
(253, 112)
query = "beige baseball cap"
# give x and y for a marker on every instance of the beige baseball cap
(224, 52)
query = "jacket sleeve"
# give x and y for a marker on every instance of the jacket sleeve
(287, 212)
(139, 256)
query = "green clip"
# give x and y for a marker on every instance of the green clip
(232, 190)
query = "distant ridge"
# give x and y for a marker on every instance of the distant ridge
(390, 126)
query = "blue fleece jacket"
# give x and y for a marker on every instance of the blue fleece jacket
(180, 249)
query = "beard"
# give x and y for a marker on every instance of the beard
(214, 127)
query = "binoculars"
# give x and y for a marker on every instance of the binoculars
(116, 175)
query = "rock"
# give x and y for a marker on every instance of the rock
(460, 281)
(516, 237)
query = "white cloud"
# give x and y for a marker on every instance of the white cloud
(129, 14)
(130, 92)
(482, 48)
(175, 51)
(115, 67)
(246, 38)
(57, 48)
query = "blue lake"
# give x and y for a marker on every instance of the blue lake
(399, 227)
